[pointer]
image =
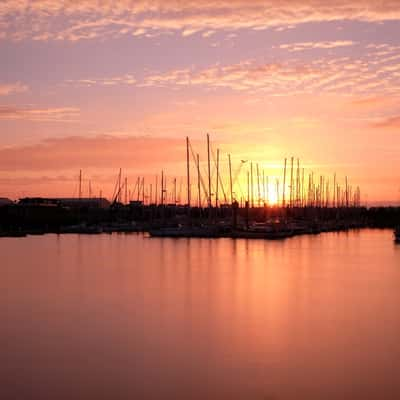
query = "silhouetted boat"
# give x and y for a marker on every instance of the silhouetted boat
(397, 235)
(263, 231)
(35, 232)
(248, 234)
(127, 227)
(205, 231)
(82, 229)
(13, 234)
(181, 232)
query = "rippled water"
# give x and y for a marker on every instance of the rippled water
(129, 317)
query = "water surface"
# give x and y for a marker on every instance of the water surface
(129, 317)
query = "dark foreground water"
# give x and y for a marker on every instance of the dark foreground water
(128, 317)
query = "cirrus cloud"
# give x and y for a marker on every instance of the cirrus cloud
(88, 19)
(344, 75)
(61, 114)
(388, 123)
(11, 88)
(317, 45)
(375, 71)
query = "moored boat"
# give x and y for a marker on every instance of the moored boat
(81, 229)
(186, 232)
(397, 235)
(122, 227)
(13, 234)
(263, 231)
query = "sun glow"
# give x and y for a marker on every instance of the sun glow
(272, 196)
(269, 193)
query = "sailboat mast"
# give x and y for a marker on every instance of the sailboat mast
(230, 177)
(162, 188)
(143, 195)
(248, 187)
(126, 190)
(217, 186)
(302, 188)
(277, 191)
(298, 183)
(198, 181)
(291, 183)
(119, 185)
(156, 192)
(138, 188)
(263, 186)
(209, 170)
(151, 194)
(80, 184)
(334, 190)
(188, 171)
(284, 185)
(251, 185)
(174, 191)
(258, 185)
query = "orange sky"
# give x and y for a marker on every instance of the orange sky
(91, 87)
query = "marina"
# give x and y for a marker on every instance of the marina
(214, 200)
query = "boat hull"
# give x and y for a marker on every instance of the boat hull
(397, 235)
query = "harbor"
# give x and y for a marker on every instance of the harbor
(218, 201)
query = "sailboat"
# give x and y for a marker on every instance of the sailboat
(397, 235)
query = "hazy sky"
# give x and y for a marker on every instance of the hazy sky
(100, 85)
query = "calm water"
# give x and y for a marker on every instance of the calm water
(128, 317)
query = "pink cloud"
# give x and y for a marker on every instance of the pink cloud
(126, 79)
(328, 74)
(11, 88)
(388, 123)
(88, 20)
(66, 114)
(317, 45)
(93, 152)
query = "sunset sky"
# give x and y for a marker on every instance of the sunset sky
(99, 85)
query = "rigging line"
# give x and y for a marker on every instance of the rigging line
(198, 167)
(115, 189)
(219, 175)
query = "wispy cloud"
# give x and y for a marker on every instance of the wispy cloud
(62, 114)
(242, 76)
(369, 74)
(10, 88)
(365, 75)
(388, 123)
(374, 101)
(126, 79)
(317, 45)
(76, 20)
